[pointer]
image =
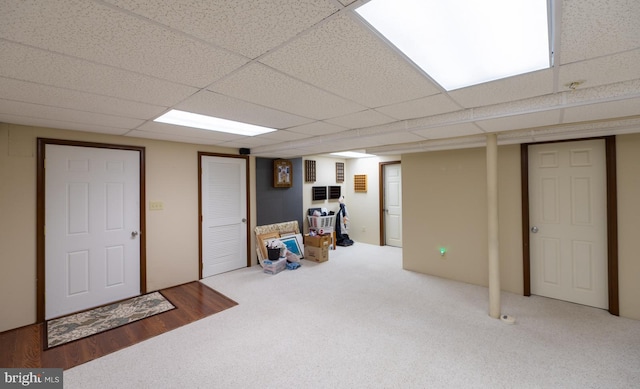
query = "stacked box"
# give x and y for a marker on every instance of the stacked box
(316, 248)
(316, 254)
(318, 240)
(274, 267)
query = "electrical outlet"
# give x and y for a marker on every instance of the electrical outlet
(156, 205)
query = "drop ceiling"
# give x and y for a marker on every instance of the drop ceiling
(310, 68)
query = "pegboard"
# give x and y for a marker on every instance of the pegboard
(360, 183)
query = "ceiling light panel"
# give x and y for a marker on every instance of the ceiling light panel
(204, 122)
(460, 43)
(352, 154)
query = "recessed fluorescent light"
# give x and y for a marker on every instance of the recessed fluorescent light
(188, 119)
(352, 154)
(460, 43)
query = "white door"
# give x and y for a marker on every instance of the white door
(568, 231)
(92, 224)
(392, 207)
(224, 214)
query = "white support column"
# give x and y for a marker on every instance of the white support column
(492, 208)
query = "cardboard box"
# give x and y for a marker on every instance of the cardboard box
(316, 254)
(317, 240)
(274, 267)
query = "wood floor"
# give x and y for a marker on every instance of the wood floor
(23, 347)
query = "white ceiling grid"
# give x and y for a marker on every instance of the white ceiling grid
(309, 68)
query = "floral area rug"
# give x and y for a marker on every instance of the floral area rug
(80, 325)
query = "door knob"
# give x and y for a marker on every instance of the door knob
(534, 229)
(244, 220)
(134, 234)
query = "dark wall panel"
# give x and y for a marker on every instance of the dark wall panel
(275, 205)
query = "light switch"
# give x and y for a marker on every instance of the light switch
(156, 205)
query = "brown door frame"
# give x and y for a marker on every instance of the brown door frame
(612, 218)
(247, 194)
(381, 228)
(40, 214)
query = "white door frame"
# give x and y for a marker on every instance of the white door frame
(612, 220)
(40, 214)
(248, 222)
(381, 221)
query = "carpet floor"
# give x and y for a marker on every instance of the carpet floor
(361, 321)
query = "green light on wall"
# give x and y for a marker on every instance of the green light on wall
(443, 251)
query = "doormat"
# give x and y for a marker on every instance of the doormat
(80, 325)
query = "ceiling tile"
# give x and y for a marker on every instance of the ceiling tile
(214, 104)
(506, 89)
(593, 28)
(102, 34)
(614, 109)
(390, 138)
(81, 101)
(272, 138)
(247, 27)
(65, 114)
(282, 136)
(426, 106)
(450, 131)
(533, 104)
(249, 142)
(173, 137)
(43, 67)
(288, 153)
(63, 125)
(264, 86)
(317, 128)
(518, 122)
(601, 71)
(361, 119)
(327, 82)
(599, 94)
(347, 59)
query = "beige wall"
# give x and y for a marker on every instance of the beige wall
(364, 208)
(445, 205)
(171, 236)
(628, 162)
(444, 202)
